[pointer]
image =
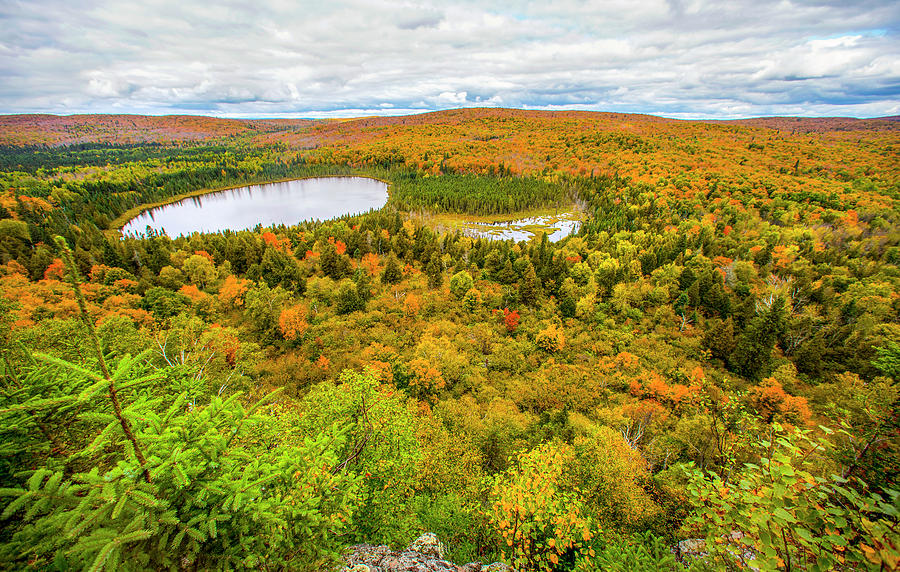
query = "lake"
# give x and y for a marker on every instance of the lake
(269, 204)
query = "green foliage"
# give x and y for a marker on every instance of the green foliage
(208, 503)
(789, 517)
(461, 283)
(381, 450)
(163, 303)
(391, 273)
(348, 298)
(888, 361)
(639, 553)
(473, 194)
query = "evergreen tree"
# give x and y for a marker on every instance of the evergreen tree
(529, 289)
(434, 272)
(348, 298)
(363, 285)
(391, 273)
(753, 350)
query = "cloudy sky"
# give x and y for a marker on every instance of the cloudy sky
(303, 58)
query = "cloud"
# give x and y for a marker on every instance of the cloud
(676, 58)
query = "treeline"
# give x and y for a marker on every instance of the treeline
(472, 194)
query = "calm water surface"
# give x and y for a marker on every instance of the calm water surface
(270, 204)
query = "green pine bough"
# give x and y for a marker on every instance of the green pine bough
(152, 485)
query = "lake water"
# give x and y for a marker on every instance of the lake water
(270, 204)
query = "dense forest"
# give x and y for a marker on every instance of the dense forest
(714, 355)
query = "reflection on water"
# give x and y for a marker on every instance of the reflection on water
(271, 204)
(557, 227)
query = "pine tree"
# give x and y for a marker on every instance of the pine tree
(434, 272)
(159, 483)
(529, 289)
(391, 273)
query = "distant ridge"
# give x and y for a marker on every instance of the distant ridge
(60, 130)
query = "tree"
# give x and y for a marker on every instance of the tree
(460, 283)
(199, 270)
(529, 289)
(363, 285)
(348, 298)
(434, 270)
(334, 265)
(542, 521)
(391, 273)
(753, 350)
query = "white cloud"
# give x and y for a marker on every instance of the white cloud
(282, 58)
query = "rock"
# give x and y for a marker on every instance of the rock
(691, 549)
(428, 545)
(424, 554)
(694, 549)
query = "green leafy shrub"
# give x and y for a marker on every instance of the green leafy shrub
(787, 517)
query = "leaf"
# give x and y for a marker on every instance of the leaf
(784, 515)
(144, 499)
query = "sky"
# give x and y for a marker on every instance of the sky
(332, 58)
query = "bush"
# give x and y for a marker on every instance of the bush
(461, 283)
(541, 522)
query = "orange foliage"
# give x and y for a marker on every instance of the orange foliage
(233, 290)
(651, 385)
(771, 400)
(370, 263)
(205, 255)
(276, 243)
(292, 322)
(323, 363)
(13, 267)
(425, 378)
(412, 304)
(194, 293)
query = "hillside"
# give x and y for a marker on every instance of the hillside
(713, 356)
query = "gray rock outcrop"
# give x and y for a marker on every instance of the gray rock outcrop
(424, 554)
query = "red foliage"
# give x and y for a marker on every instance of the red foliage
(510, 320)
(55, 270)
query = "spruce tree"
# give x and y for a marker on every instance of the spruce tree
(434, 272)
(391, 273)
(529, 289)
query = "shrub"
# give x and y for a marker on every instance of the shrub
(461, 283)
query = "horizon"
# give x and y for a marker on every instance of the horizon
(411, 114)
(678, 59)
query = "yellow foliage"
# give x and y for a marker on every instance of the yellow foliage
(551, 339)
(535, 510)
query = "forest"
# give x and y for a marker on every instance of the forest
(714, 355)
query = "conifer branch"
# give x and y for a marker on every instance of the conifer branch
(74, 280)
